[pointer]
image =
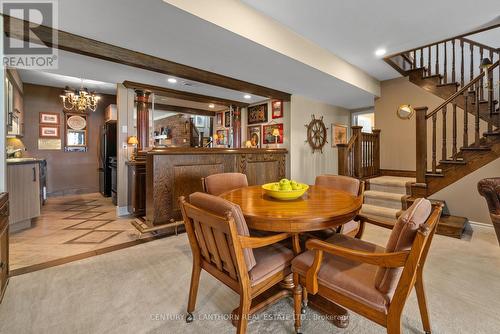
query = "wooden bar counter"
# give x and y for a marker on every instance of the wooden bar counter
(174, 172)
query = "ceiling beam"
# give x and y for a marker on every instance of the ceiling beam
(184, 110)
(92, 48)
(179, 94)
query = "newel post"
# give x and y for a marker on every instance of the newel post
(356, 131)
(376, 153)
(342, 162)
(421, 137)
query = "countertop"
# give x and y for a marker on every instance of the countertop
(23, 161)
(215, 150)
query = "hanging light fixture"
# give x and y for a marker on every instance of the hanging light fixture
(79, 100)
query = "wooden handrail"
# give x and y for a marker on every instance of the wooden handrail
(447, 40)
(461, 91)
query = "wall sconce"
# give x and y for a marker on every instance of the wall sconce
(485, 64)
(132, 140)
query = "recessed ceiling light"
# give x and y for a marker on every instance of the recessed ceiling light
(172, 80)
(247, 96)
(380, 52)
(211, 105)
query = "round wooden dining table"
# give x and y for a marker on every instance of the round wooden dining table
(318, 209)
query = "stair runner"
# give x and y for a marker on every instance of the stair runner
(385, 197)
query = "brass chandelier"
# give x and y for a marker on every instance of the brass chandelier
(79, 100)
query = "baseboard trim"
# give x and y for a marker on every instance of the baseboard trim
(398, 172)
(122, 211)
(481, 224)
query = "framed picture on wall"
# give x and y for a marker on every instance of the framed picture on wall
(219, 118)
(257, 114)
(339, 134)
(269, 134)
(277, 109)
(49, 118)
(253, 135)
(49, 131)
(227, 119)
(222, 137)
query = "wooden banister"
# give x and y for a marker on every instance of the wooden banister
(360, 157)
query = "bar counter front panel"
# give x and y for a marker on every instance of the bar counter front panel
(175, 172)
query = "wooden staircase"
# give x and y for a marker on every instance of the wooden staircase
(462, 134)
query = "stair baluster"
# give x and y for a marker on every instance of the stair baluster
(414, 62)
(444, 154)
(454, 149)
(471, 63)
(445, 63)
(491, 105)
(476, 128)
(481, 84)
(453, 74)
(429, 54)
(437, 58)
(462, 79)
(434, 119)
(421, 57)
(466, 120)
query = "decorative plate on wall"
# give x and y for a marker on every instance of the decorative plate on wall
(76, 122)
(316, 134)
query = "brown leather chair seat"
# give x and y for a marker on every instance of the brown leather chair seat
(353, 279)
(270, 260)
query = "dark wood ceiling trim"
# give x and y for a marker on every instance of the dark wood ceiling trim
(92, 48)
(179, 94)
(184, 110)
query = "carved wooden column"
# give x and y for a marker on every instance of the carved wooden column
(142, 98)
(236, 123)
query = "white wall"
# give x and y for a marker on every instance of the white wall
(305, 165)
(125, 127)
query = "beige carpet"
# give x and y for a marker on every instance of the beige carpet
(143, 289)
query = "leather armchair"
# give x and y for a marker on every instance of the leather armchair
(490, 189)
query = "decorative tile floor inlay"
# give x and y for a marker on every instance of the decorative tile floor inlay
(94, 237)
(70, 225)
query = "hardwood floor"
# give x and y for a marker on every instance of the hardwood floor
(71, 228)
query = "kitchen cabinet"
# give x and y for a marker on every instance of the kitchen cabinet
(4, 243)
(23, 184)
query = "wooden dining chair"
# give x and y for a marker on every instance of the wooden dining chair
(222, 246)
(349, 184)
(217, 184)
(370, 280)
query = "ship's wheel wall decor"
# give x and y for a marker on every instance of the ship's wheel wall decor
(316, 134)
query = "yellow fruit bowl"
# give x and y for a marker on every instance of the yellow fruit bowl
(284, 195)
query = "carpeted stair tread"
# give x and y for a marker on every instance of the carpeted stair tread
(379, 211)
(390, 184)
(383, 195)
(392, 181)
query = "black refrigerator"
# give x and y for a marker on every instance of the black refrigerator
(107, 151)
